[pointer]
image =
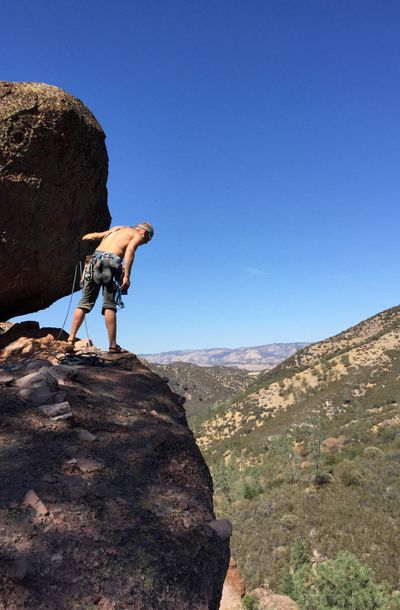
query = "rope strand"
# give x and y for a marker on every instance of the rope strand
(86, 326)
(70, 301)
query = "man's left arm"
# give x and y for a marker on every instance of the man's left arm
(129, 258)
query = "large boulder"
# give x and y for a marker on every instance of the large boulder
(53, 174)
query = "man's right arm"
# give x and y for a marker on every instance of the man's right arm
(98, 236)
(94, 236)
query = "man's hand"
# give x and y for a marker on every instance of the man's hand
(126, 282)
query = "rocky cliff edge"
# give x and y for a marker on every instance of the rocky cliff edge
(105, 498)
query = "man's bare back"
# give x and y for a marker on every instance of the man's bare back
(117, 239)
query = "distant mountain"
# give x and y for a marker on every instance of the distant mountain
(204, 387)
(250, 358)
(309, 455)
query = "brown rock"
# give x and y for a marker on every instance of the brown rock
(269, 600)
(83, 344)
(32, 500)
(53, 172)
(46, 341)
(234, 588)
(88, 464)
(105, 604)
(19, 568)
(22, 345)
(85, 435)
(334, 443)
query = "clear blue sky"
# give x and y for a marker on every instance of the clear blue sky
(262, 140)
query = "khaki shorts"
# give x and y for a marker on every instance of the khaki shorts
(90, 293)
(91, 288)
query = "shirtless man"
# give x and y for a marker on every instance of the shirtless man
(115, 245)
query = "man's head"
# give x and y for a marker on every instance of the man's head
(146, 229)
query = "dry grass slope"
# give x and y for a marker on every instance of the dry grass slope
(312, 450)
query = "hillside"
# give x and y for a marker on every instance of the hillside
(251, 358)
(203, 387)
(311, 451)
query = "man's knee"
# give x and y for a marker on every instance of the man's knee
(109, 308)
(85, 307)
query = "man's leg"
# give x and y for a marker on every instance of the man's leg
(110, 316)
(89, 296)
(79, 316)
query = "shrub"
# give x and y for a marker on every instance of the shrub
(289, 462)
(373, 453)
(289, 521)
(251, 489)
(250, 602)
(321, 477)
(224, 477)
(345, 360)
(388, 434)
(349, 474)
(341, 584)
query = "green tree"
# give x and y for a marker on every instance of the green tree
(299, 553)
(282, 446)
(341, 584)
(316, 434)
(224, 477)
(286, 584)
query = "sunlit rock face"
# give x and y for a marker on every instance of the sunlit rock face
(53, 174)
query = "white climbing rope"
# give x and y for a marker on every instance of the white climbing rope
(70, 301)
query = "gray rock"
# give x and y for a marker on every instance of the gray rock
(85, 435)
(64, 372)
(42, 377)
(61, 410)
(223, 527)
(37, 396)
(6, 378)
(88, 464)
(35, 365)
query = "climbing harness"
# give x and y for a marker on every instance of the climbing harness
(103, 268)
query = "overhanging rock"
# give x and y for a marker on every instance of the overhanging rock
(53, 174)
